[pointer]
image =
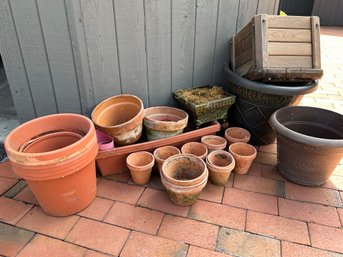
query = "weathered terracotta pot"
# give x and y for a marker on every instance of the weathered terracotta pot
(309, 143)
(163, 122)
(184, 176)
(58, 167)
(195, 148)
(243, 154)
(163, 153)
(213, 142)
(236, 134)
(220, 164)
(140, 165)
(121, 117)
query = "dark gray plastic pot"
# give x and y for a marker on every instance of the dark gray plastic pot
(309, 143)
(256, 102)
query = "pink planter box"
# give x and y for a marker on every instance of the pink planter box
(114, 160)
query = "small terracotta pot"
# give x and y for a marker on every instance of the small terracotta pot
(220, 164)
(213, 142)
(163, 153)
(236, 134)
(55, 154)
(105, 141)
(195, 148)
(140, 165)
(121, 117)
(163, 122)
(243, 154)
(184, 176)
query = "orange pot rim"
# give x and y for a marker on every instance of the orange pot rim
(211, 164)
(198, 144)
(164, 147)
(141, 167)
(222, 145)
(243, 156)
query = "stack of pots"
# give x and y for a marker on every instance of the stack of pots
(184, 176)
(55, 154)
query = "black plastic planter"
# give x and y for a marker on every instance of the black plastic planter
(256, 102)
(309, 143)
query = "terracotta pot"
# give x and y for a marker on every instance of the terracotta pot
(121, 117)
(220, 164)
(184, 176)
(213, 142)
(140, 165)
(163, 153)
(105, 141)
(243, 154)
(58, 167)
(309, 143)
(236, 134)
(163, 122)
(114, 160)
(195, 148)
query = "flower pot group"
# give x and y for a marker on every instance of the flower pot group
(309, 143)
(220, 164)
(184, 176)
(55, 154)
(163, 122)
(121, 117)
(140, 165)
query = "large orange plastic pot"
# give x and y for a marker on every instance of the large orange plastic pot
(59, 167)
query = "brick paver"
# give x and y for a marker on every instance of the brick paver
(258, 214)
(144, 245)
(239, 243)
(189, 231)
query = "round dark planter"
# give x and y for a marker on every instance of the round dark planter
(256, 102)
(309, 143)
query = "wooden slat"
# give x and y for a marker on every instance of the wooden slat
(244, 57)
(33, 49)
(315, 42)
(102, 47)
(244, 44)
(290, 61)
(226, 28)
(129, 17)
(289, 35)
(205, 34)
(158, 33)
(261, 42)
(289, 22)
(14, 65)
(276, 48)
(247, 10)
(60, 54)
(183, 16)
(78, 39)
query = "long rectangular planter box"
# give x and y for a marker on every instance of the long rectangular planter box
(114, 161)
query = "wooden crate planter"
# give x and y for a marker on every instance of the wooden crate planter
(278, 48)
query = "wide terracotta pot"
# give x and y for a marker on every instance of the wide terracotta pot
(243, 154)
(162, 153)
(163, 122)
(140, 165)
(309, 143)
(184, 176)
(195, 148)
(121, 117)
(55, 154)
(236, 134)
(220, 164)
(213, 142)
(256, 102)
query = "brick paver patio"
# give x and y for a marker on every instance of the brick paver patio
(258, 214)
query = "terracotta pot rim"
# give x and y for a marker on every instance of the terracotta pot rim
(299, 137)
(221, 145)
(243, 156)
(141, 167)
(237, 128)
(164, 147)
(121, 125)
(186, 188)
(183, 182)
(85, 138)
(198, 144)
(211, 164)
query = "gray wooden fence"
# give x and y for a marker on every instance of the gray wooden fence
(68, 55)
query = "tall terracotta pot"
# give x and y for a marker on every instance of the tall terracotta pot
(121, 117)
(58, 167)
